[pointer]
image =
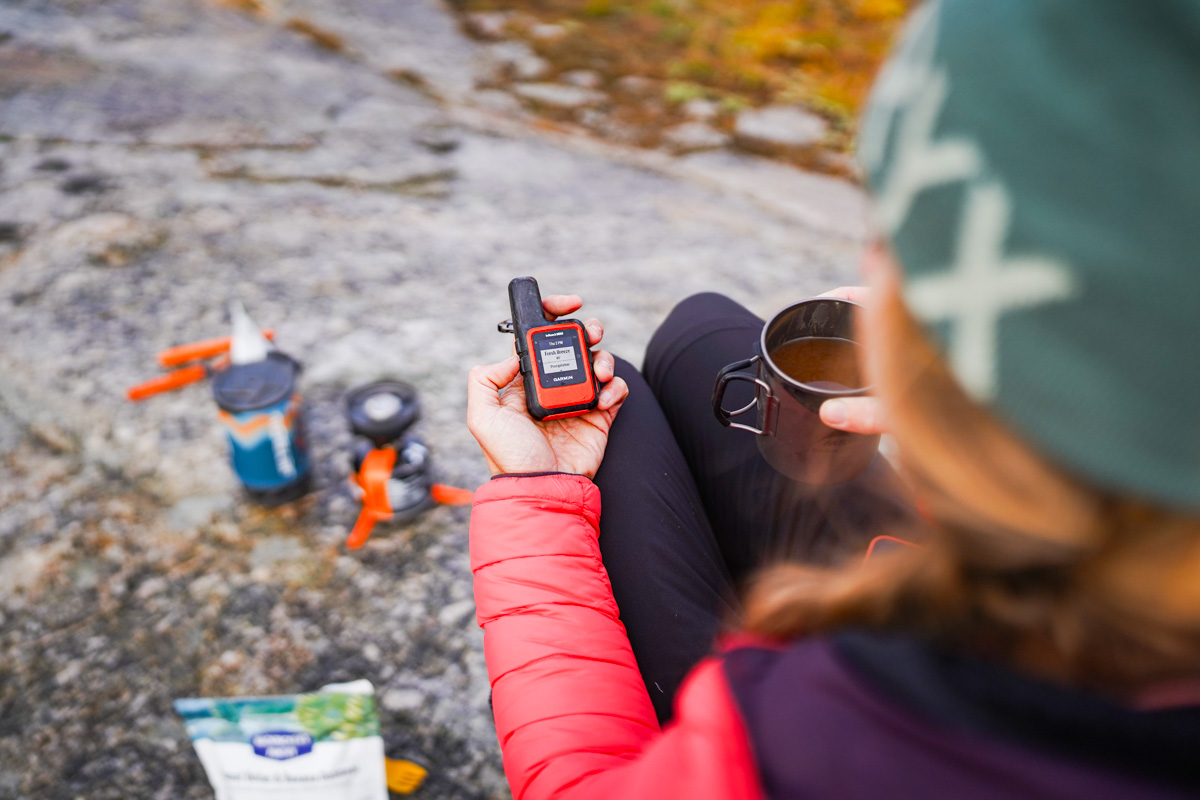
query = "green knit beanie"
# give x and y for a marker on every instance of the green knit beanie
(1035, 165)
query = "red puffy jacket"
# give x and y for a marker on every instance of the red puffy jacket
(572, 714)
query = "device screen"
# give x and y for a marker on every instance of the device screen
(560, 358)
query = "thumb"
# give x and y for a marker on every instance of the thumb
(485, 382)
(854, 414)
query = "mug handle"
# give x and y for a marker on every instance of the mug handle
(733, 373)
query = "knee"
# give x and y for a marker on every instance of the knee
(690, 314)
(702, 305)
(696, 309)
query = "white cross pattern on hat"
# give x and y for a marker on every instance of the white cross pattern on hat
(920, 161)
(982, 285)
(901, 78)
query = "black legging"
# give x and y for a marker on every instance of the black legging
(690, 508)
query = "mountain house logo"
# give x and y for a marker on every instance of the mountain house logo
(281, 745)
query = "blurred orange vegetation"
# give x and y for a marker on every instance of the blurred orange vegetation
(246, 6)
(820, 53)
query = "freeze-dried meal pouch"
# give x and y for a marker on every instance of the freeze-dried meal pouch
(320, 746)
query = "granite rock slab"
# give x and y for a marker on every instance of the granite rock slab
(160, 158)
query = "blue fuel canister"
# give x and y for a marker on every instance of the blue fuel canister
(263, 415)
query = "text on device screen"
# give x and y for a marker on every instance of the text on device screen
(560, 358)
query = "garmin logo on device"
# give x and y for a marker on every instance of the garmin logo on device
(563, 378)
(281, 745)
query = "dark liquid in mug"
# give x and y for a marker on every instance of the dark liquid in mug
(823, 362)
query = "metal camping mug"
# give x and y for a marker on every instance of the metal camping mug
(791, 436)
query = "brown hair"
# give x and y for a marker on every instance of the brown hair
(1024, 564)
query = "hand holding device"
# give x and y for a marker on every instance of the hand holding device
(515, 443)
(556, 364)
